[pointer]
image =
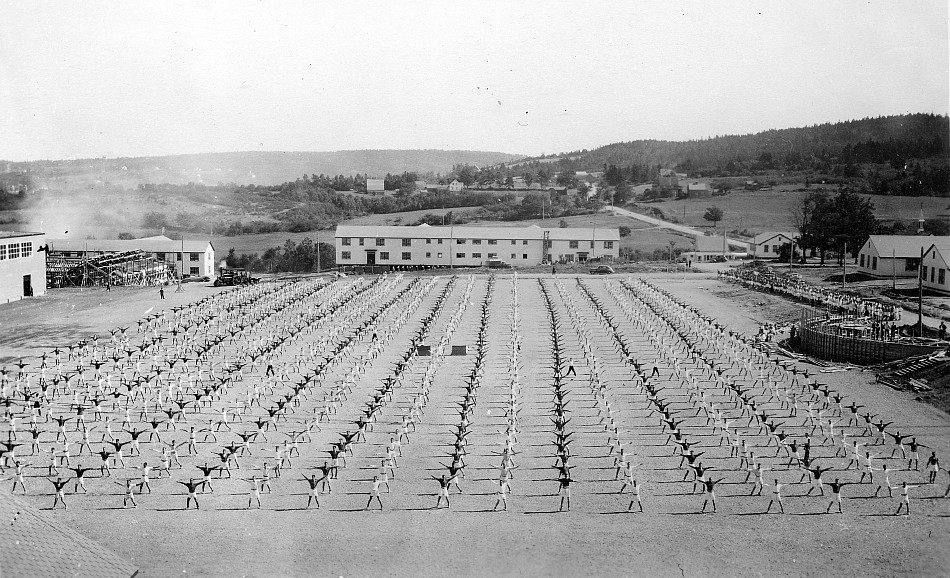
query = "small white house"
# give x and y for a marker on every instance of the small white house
(697, 189)
(456, 186)
(375, 186)
(767, 245)
(708, 249)
(22, 265)
(894, 255)
(934, 274)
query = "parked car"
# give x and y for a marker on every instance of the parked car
(498, 264)
(602, 270)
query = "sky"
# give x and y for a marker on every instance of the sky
(113, 79)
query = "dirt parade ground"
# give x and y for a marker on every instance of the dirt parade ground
(461, 425)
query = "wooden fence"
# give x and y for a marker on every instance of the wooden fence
(816, 338)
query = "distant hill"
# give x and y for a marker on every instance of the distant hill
(243, 168)
(903, 154)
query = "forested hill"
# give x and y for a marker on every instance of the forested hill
(243, 168)
(835, 149)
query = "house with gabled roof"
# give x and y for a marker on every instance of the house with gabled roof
(709, 248)
(894, 255)
(767, 245)
(934, 268)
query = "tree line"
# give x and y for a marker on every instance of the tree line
(901, 155)
(291, 257)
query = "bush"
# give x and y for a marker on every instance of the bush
(154, 220)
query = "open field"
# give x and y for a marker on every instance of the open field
(343, 370)
(772, 210)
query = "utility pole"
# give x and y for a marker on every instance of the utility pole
(593, 240)
(844, 265)
(318, 250)
(920, 295)
(894, 269)
(724, 245)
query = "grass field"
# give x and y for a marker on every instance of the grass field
(411, 537)
(763, 211)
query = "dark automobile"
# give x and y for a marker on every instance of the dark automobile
(602, 270)
(498, 264)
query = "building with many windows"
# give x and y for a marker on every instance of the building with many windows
(935, 268)
(894, 255)
(191, 258)
(469, 246)
(22, 265)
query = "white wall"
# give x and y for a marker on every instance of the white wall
(934, 263)
(13, 270)
(426, 251)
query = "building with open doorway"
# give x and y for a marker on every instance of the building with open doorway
(467, 246)
(22, 265)
(188, 258)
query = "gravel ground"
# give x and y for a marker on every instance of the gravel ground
(408, 537)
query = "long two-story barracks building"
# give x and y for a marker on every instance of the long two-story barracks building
(460, 246)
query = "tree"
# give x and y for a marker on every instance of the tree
(566, 179)
(466, 174)
(713, 214)
(723, 186)
(125, 236)
(623, 194)
(543, 177)
(625, 231)
(613, 175)
(814, 218)
(825, 222)
(783, 253)
(185, 220)
(854, 219)
(154, 220)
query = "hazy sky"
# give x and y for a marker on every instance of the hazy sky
(88, 79)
